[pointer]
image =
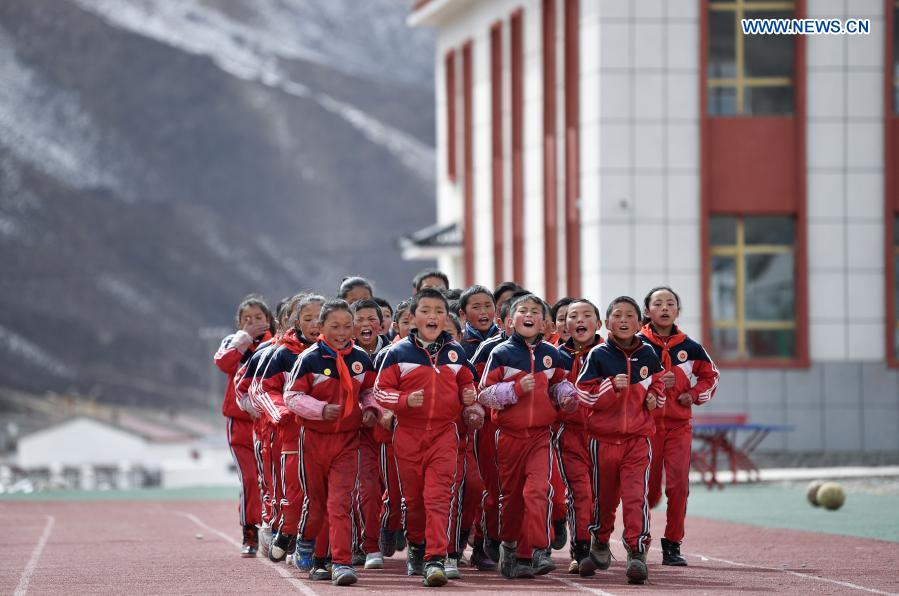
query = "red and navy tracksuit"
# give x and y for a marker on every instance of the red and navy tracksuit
(471, 490)
(369, 493)
(572, 444)
(329, 449)
(426, 438)
(240, 428)
(271, 397)
(391, 499)
(484, 447)
(246, 380)
(696, 375)
(523, 439)
(620, 425)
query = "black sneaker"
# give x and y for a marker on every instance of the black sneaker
(358, 557)
(400, 541)
(560, 533)
(637, 572)
(480, 559)
(491, 547)
(387, 542)
(601, 555)
(509, 565)
(671, 554)
(586, 567)
(281, 545)
(319, 571)
(415, 559)
(542, 563)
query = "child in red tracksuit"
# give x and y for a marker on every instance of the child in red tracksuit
(426, 381)
(620, 386)
(391, 537)
(328, 389)
(582, 325)
(301, 334)
(246, 385)
(524, 384)
(255, 325)
(691, 379)
(367, 323)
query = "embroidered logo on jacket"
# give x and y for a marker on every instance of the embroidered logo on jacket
(547, 361)
(644, 372)
(453, 356)
(357, 367)
(682, 355)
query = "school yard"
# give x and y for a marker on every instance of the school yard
(761, 538)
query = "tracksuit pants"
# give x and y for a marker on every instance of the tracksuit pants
(671, 453)
(391, 499)
(622, 473)
(262, 451)
(525, 492)
(485, 454)
(427, 461)
(290, 493)
(329, 468)
(368, 493)
(240, 440)
(575, 467)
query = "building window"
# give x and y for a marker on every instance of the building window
(749, 74)
(753, 287)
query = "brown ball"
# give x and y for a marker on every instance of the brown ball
(831, 495)
(811, 492)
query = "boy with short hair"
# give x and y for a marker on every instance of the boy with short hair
(583, 323)
(426, 381)
(620, 385)
(524, 385)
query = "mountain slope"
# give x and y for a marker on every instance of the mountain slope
(149, 178)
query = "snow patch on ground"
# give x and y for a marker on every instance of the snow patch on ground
(47, 128)
(126, 294)
(251, 51)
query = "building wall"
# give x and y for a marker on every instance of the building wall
(80, 441)
(640, 197)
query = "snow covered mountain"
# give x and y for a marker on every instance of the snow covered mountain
(160, 159)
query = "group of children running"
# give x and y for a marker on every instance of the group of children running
(476, 417)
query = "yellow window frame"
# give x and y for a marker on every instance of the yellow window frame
(741, 82)
(739, 251)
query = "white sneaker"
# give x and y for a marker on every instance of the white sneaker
(451, 568)
(374, 561)
(265, 540)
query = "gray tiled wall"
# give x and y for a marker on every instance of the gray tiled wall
(835, 406)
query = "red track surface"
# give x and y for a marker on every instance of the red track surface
(151, 547)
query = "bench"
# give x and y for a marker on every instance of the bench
(717, 436)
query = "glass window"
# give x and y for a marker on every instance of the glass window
(753, 287)
(749, 74)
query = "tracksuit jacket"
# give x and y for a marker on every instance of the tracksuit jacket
(696, 375)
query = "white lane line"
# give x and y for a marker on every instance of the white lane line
(583, 588)
(22, 588)
(280, 568)
(802, 575)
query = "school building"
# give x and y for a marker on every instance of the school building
(601, 147)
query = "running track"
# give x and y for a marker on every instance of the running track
(152, 548)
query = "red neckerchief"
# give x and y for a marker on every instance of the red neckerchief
(346, 379)
(666, 343)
